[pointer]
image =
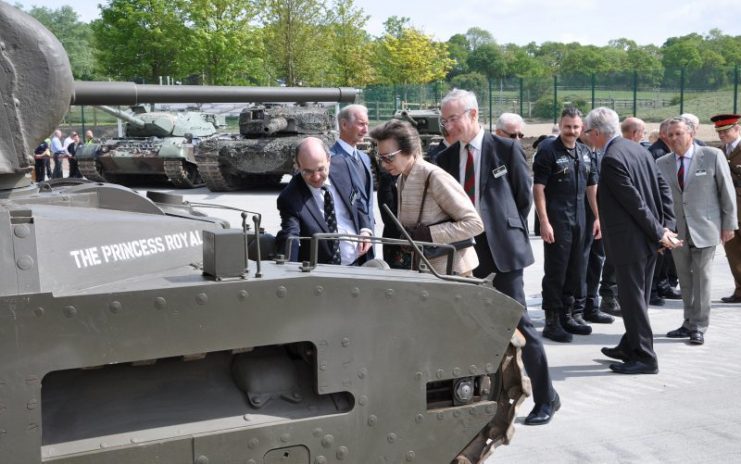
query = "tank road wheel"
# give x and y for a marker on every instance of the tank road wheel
(92, 170)
(509, 389)
(183, 174)
(218, 181)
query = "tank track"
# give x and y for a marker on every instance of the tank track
(178, 174)
(215, 179)
(89, 169)
(511, 387)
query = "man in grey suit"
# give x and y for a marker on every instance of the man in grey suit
(705, 208)
(636, 219)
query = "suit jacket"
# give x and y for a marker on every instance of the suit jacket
(362, 182)
(635, 202)
(734, 163)
(300, 217)
(447, 210)
(708, 203)
(504, 201)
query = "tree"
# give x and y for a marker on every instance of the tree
(477, 37)
(395, 25)
(295, 40)
(75, 37)
(459, 49)
(349, 46)
(141, 40)
(475, 82)
(488, 59)
(223, 48)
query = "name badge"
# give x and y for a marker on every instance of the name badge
(499, 172)
(701, 173)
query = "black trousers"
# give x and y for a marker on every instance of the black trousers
(564, 266)
(595, 263)
(533, 354)
(608, 283)
(634, 281)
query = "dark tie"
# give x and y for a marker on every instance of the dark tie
(331, 219)
(469, 182)
(680, 173)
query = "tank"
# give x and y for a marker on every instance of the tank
(427, 123)
(155, 143)
(263, 150)
(139, 329)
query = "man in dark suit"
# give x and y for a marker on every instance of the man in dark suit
(318, 200)
(496, 176)
(636, 216)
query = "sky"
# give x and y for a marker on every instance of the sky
(522, 21)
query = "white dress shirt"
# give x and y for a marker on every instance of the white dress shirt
(345, 224)
(476, 144)
(688, 160)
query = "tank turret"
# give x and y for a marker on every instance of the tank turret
(136, 329)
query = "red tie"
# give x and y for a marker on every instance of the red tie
(469, 183)
(680, 173)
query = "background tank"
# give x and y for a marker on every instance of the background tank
(263, 150)
(427, 123)
(156, 143)
(137, 330)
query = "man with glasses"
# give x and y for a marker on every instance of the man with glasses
(495, 174)
(510, 125)
(318, 200)
(563, 181)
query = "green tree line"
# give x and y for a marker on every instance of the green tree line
(324, 43)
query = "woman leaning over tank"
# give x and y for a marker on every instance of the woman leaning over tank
(447, 215)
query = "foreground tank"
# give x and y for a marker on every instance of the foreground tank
(262, 152)
(139, 330)
(155, 144)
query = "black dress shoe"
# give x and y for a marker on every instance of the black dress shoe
(598, 317)
(731, 299)
(656, 300)
(542, 413)
(696, 337)
(671, 293)
(614, 353)
(634, 367)
(681, 332)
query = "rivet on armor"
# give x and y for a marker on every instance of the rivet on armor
(439, 374)
(363, 400)
(317, 432)
(362, 373)
(456, 413)
(102, 445)
(318, 290)
(355, 291)
(409, 457)
(281, 292)
(253, 443)
(70, 311)
(246, 417)
(389, 292)
(490, 368)
(391, 437)
(418, 375)
(38, 312)
(25, 262)
(323, 366)
(345, 342)
(456, 371)
(424, 295)
(472, 411)
(251, 461)
(342, 452)
(285, 438)
(160, 303)
(21, 230)
(489, 302)
(201, 460)
(243, 294)
(419, 418)
(320, 460)
(473, 369)
(458, 297)
(490, 409)
(327, 440)
(201, 299)
(440, 416)
(372, 420)
(114, 306)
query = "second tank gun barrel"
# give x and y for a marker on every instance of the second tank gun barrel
(128, 93)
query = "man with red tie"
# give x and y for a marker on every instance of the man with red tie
(495, 174)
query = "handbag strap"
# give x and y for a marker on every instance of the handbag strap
(424, 196)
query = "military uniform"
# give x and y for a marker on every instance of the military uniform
(565, 174)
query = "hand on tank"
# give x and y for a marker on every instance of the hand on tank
(364, 245)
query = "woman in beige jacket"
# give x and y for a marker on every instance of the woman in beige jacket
(448, 215)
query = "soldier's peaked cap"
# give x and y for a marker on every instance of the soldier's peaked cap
(725, 121)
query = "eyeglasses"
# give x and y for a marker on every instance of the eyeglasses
(453, 119)
(311, 172)
(518, 135)
(388, 158)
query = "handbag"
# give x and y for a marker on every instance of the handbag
(435, 251)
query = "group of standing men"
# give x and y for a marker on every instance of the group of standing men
(58, 149)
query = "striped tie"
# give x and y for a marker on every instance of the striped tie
(469, 182)
(680, 173)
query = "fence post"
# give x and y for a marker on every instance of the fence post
(635, 93)
(82, 121)
(555, 99)
(522, 95)
(594, 82)
(491, 113)
(681, 91)
(735, 90)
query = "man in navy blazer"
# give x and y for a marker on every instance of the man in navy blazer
(500, 190)
(302, 207)
(635, 207)
(351, 163)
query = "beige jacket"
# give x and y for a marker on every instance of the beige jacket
(446, 204)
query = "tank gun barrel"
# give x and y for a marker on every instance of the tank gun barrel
(123, 115)
(128, 93)
(275, 125)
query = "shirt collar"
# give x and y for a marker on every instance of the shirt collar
(346, 146)
(687, 155)
(477, 141)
